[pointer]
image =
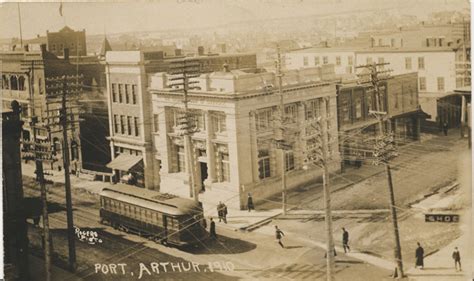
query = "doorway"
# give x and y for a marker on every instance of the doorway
(203, 175)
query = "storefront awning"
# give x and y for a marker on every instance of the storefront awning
(124, 162)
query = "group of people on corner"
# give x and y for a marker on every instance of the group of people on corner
(420, 256)
(222, 215)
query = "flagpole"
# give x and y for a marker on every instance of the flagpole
(19, 20)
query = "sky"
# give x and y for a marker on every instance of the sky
(126, 16)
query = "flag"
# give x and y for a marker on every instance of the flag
(61, 9)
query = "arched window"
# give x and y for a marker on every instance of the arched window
(5, 82)
(13, 82)
(21, 83)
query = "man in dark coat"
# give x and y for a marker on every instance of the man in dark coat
(250, 203)
(445, 128)
(345, 240)
(457, 259)
(224, 212)
(220, 211)
(419, 254)
(212, 229)
(279, 234)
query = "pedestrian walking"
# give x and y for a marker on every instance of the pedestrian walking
(212, 229)
(279, 234)
(445, 128)
(419, 254)
(345, 240)
(220, 211)
(457, 259)
(250, 202)
(224, 212)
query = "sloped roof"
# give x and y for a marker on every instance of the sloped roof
(105, 47)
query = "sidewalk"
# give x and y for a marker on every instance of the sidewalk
(236, 219)
(37, 271)
(440, 265)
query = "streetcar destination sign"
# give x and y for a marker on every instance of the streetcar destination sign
(441, 218)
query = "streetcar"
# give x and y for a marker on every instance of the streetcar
(159, 216)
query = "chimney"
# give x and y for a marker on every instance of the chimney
(177, 52)
(226, 67)
(27, 48)
(201, 50)
(43, 48)
(37, 36)
(66, 54)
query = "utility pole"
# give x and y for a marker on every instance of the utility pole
(181, 71)
(39, 155)
(67, 181)
(61, 87)
(318, 154)
(280, 139)
(385, 151)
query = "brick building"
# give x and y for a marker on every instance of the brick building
(357, 127)
(66, 38)
(234, 149)
(40, 99)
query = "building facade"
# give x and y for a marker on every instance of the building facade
(130, 106)
(66, 38)
(233, 145)
(343, 59)
(358, 128)
(34, 80)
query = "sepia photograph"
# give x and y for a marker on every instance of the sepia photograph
(226, 140)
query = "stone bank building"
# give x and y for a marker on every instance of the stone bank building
(235, 115)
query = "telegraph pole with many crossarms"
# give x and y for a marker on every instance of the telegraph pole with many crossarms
(182, 71)
(384, 149)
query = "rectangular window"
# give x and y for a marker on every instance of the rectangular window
(263, 164)
(225, 168)
(421, 63)
(350, 60)
(135, 124)
(116, 124)
(407, 63)
(291, 113)
(122, 124)
(219, 123)
(305, 61)
(134, 94)
(316, 61)
(338, 60)
(120, 92)
(440, 83)
(392, 42)
(380, 60)
(380, 42)
(127, 98)
(114, 92)
(369, 60)
(264, 119)
(325, 60)
(129, 125)
(358, 108)
(181, 159)
(422, 83)
(155, 123)
(311, 109)
(289, 161)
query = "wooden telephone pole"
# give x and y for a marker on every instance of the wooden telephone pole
(62, 88)
(280, 139)
(182, 71)
(385, 150)
(318, 154)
